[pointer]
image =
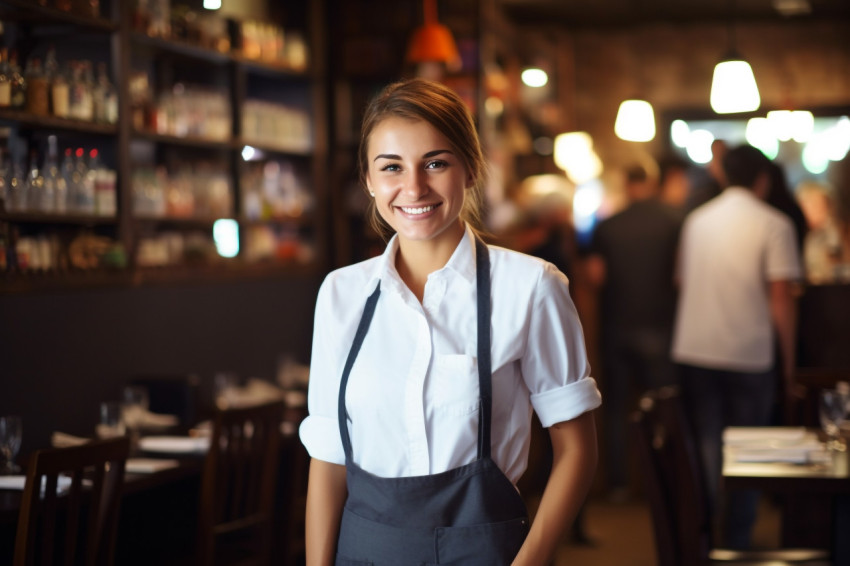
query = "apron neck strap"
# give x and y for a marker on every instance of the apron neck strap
(482, 276)
(362, 328)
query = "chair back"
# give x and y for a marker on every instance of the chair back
(77, 525)
(239, 481)
(651, 442)
(685, 479)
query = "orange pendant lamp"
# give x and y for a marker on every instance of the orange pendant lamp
(433, 42)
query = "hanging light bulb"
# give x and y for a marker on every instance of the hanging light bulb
(635, 121)
(433, 42)
(574, 153)
(733, 87)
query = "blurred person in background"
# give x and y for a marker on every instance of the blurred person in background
(708, 181)
(674, 182)
(738, 266)
(631, 263)
(822, 248)
(780, 197)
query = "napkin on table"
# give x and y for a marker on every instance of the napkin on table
(18, 483)
(148, 465)
(64, 440)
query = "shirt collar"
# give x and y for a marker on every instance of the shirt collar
(462, 262)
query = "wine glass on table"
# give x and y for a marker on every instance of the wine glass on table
(833, 409)
(134, 408)
(10, 442)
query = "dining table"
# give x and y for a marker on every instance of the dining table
(160, 495)
(792, 461)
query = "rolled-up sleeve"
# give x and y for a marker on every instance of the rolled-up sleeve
(319, 431)
(555, 366)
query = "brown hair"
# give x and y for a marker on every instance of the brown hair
(421, 99)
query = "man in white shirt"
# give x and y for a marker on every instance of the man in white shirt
(738, 262)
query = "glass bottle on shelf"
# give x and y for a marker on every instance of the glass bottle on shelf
(80, 100)
(37, 102)
(5, 81)
(34, 185)
(105, 98)
(58, 85)
(85, 182)
(69, 173)
(88, 100)
(19, 84)
(15, 189)
(55, 189)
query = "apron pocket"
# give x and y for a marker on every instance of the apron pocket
(365, 542)
(492, 544)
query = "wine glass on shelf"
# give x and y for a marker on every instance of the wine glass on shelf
(10, 442)
(832, 408)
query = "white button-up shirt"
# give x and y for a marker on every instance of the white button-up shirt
(412, 396)
(731, 248)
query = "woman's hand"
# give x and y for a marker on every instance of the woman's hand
(326, 494)
(574, 457)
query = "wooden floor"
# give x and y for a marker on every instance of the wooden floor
(621, 534)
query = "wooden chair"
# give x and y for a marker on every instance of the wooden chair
(238, 485)
(49, 523)
(677, 496)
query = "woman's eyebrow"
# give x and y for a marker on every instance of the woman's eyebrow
(430, 154)
(386, 156)
(436, 152)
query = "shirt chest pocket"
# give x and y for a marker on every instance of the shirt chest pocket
(454, 384)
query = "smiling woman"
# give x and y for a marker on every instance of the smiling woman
(428, 360)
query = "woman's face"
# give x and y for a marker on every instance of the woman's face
(417, 179)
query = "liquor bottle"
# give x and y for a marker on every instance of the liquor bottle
(80, 100)
(38, 98)
(15, 189)
(34, 185)
(105, 98)
(19, 85)
(5, 80)
(58, 85)
(69, 173)
(55, 196)
(85, 182)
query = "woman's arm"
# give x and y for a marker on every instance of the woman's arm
(574, 457)
(326, 493)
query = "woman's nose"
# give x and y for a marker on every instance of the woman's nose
(415, 184)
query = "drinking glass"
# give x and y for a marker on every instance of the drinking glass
(225, 389)
(10, 442)
(133, 410)
(111, 422)
(833, 409)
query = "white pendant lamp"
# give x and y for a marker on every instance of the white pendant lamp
(733, 87)
(635, 121)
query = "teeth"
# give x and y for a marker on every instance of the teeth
(420, 210)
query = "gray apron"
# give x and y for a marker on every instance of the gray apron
(471, 515)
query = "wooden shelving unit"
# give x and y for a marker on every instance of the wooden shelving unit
(242, 78)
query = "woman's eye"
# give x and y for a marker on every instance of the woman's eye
(392, 167)
(436, 164)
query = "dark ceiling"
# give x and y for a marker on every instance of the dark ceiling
(608, 13)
